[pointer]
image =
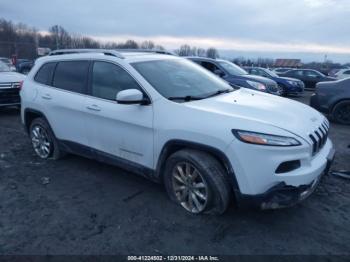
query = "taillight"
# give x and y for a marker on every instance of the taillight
(20, 85)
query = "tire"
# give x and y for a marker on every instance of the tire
(283, 90)
(40, 130)
(341, 113)
(208, 179)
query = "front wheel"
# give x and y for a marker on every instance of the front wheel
(341, 112)
(197, 181)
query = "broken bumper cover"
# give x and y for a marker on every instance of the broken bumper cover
(282, 195)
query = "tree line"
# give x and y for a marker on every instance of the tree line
(23, 41)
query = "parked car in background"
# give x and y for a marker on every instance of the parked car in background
(176, 123)
(237, 76)
(310, 77)
(23, 66)
(10, 83)
(342, 73)
(333, 99)
(281, 70)
(8, 62)
(288, 85)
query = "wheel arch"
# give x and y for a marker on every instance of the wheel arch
(31, 114)
(173, 146)
(337, 102)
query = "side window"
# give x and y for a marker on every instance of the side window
(210, 66)
(347, 72)
(44, 75)
(71, 76)
(109, 79)
(310, 73)
(297, 73)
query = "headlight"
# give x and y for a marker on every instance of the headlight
(265, 139)
(257, 85)
(293, 83)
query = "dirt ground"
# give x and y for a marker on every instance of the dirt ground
(80, 206)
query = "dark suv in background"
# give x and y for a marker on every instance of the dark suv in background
(237, 76)
(288, 85)
(308, 76)
(333, 99)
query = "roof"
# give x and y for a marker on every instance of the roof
(288, 63)
(200, 58)
(127, 55)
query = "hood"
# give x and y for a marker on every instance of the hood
(259, 79)
(6, 77)
(279, 112)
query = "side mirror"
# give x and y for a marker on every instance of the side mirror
(218, 72)
(131, 97)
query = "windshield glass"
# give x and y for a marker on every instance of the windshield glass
(4, 67)
(271, 73)
(233, 69)
(180, 78)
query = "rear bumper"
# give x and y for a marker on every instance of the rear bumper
(282, 195)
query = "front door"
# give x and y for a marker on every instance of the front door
(124, 132)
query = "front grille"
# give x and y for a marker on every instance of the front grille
(9, 93)
(319, 137)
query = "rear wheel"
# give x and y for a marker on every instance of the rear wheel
(197, 181)
(341, 112)
(44, 143)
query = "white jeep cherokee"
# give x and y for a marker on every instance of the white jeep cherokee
(170, 120)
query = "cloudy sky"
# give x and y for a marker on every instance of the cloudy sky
(314, 26)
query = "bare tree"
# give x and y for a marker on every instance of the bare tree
(201, 52)
(184, 50)
(147, 45)
(212, 53)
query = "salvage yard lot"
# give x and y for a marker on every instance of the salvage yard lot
(80, 206)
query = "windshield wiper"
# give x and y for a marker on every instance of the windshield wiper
(185, 98)
(219, 92)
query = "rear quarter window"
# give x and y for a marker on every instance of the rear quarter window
(44, 75)
(72, 76)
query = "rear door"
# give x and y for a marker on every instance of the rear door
(63, 100)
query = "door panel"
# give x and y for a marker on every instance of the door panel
(63, 99)
(64, 111)
(125, 131)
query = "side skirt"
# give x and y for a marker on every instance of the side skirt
(81, 150)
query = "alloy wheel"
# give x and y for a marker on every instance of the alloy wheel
(343, 113)
(41, 141)
(190, 189)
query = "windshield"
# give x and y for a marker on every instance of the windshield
(180, 78)
(271, 73)
(4, 67)
(233, 69)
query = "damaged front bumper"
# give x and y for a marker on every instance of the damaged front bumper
(282, 195)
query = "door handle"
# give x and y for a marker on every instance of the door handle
(94, 108)
(46, 96)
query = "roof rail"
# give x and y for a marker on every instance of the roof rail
(140, 50)
(79, 51)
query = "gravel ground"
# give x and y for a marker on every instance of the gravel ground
(80, 206)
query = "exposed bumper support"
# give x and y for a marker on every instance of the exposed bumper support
(282, 195)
